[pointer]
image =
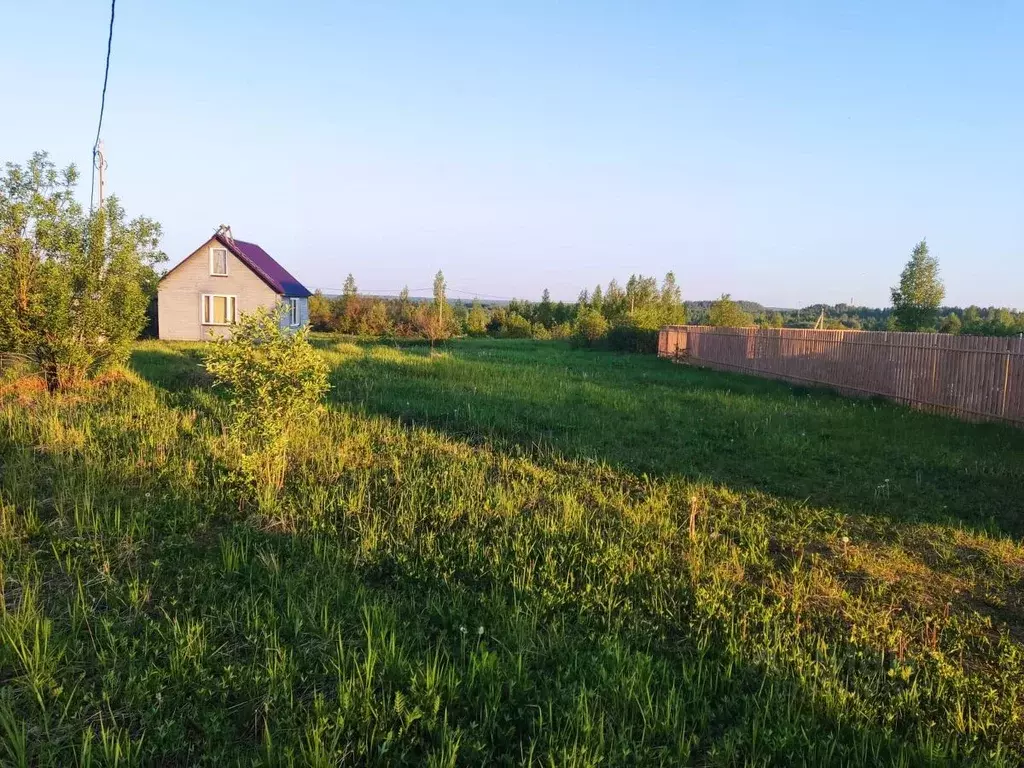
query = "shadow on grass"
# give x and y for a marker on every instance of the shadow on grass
(173, 369)
(556, 678)
(649, 416)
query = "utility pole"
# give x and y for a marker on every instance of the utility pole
(101, 165)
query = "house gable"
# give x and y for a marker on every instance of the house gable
(181, 291)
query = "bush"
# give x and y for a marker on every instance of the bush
(591, 327)
(516, 327)
(561, 331)
(274, 377)
(72, 285)
(627, 337)
(540, 332)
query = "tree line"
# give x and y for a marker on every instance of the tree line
(967, 321)
(627, 317)
(621, 317)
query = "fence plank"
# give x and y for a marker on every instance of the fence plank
(976, 378)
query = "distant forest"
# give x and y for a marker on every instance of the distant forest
(628, 316)
(973, 320)
(544, 314)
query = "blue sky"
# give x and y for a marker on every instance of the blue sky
(786, 153)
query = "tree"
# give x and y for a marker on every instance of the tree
(497, 321)
(972, 322)
(917, 299)
(516, 327)
(545, 314)
(641, 293)
(951, 324)
(726, 313)
(614, 304)
(321, 316)
(591, 326)
(563, 313)
(597, 299)
(440, 299)
(434, 321)
(72, 293)
(673, 311)
(583, 300)
(476, 322)
(404, 314)
(349, 307)
(375, 321)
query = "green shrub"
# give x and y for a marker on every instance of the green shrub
(561, 331)
(516, 327)
(275, 378)
(627, 337)
(72, 285)
(538, 331)
(591, 327)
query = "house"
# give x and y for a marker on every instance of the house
(222, 278)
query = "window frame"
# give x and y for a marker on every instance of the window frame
(293, 312)
(206, 300)
(226, 270)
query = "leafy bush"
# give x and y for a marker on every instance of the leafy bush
(590, 327)
(72, 285)
(538, 331)
(561, 331)
(275, 378)
(476, 320)
(627, 337)
(516, 327)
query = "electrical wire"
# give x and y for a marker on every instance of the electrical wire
(384, 292)
(103, 104)
(412, 291)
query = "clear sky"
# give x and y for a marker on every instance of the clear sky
(786, 153)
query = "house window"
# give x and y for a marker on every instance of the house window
(218, 261)
(293, 311)
(218, 310)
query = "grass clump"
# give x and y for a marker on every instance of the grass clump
(572, 565)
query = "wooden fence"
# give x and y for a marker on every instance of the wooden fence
(973, 377)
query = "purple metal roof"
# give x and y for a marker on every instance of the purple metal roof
(261, 262)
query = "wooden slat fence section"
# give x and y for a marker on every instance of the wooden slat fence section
(974, 377)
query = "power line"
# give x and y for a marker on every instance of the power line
(371, 292)
(384, 292)
(483, 295)
(103, 104)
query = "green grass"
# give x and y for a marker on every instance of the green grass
(509, 553)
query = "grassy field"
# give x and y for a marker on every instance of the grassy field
(508, 553)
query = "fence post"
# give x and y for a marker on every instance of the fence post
(1006, 380)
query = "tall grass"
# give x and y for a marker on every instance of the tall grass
(510, 554)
